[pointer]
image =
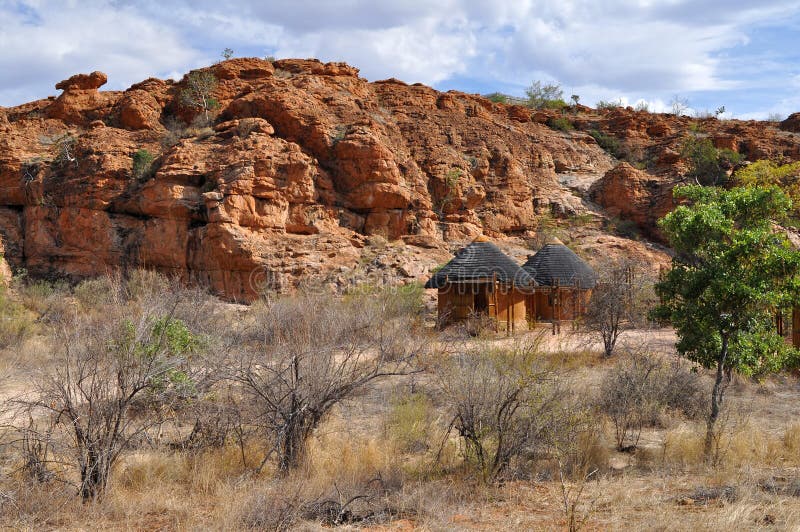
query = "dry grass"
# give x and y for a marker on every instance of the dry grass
(375, 462)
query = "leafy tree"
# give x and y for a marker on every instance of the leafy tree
(545, 96)
(730, 271)
(770, 173)
(197, 93)
(707, 164)
(227, 53)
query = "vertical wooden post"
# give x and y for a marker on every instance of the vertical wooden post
(494, 297)
(513, 305)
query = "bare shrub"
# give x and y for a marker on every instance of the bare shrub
(270, 510)
(309, 353)
(637, 392)
(620, 300)
(501, 403)
(105, 363)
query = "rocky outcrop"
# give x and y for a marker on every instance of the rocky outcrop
(305, 166)
(81, 103)
(792, 123)
(631, 194)
(95, 80)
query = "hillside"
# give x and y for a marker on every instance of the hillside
(306, 171)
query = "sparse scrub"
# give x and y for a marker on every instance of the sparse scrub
(639, 391)
(501, 402)
(97, 293)
(142, 165)
(621, 300)
(312, 353)
(608, 104)
(45, 298)
(560, 123)
(105, 364)
(379, 457)
(545, 96)
(607, 142)
(16, 323)
(409, 422)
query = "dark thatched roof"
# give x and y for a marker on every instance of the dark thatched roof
(480, 261)
(555, 261)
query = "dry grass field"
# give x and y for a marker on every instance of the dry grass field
(392, 453)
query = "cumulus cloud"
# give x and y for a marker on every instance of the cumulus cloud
(628, 49)
(44, 42)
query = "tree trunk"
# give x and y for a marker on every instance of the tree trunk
(94, 475)
(716, 398)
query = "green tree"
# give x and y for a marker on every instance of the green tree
(707, 164)
(545, 96)
(730, 272)
(770, 173)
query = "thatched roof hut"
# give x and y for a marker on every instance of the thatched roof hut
(481, 261)
(564, 283)
(556, 264)
(481, 279)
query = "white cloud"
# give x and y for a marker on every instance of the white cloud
(629, 49)
(50, 40)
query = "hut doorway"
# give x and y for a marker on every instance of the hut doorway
(481, 304)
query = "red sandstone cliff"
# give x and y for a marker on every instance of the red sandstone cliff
(303, 162)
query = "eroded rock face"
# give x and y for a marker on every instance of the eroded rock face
(631, 194)
(304, 164)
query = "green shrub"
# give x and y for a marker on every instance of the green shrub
(142, 164)
(497, 97)
(606, 104)
(561, 124)
(770, 173)
(624, 228)
(607, 142)
(545, 96)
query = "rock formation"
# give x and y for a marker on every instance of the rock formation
(304, 167)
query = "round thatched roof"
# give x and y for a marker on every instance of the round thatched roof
(480, 261)
(555, 261)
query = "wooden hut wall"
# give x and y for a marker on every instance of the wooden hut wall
(457, 301)
(511, 308)
(572, 304)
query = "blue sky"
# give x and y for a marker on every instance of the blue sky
(741, 54)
